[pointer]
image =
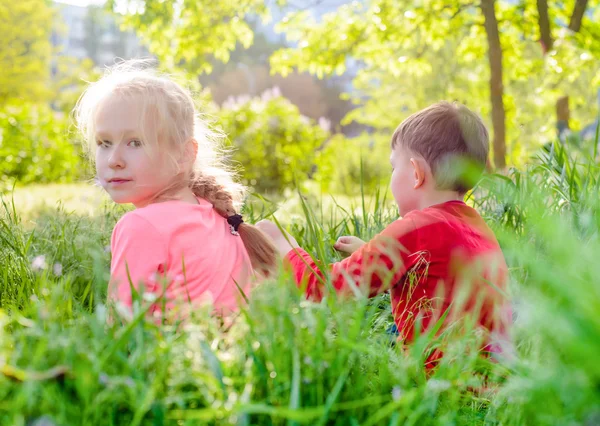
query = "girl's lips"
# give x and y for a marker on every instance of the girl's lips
(118, 181)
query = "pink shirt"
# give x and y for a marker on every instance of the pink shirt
(153, 243)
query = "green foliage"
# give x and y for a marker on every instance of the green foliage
(69, 80)
(275, 144)
(193, 35)
(35, 146)
(417, 54)
(553, 207)
(25, 28)
(360, 161)
(61, 245)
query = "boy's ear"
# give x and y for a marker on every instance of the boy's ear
(419, 172)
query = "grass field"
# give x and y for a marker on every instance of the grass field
(287, 361)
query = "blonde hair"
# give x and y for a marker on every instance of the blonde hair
(443, 133)
(170, 108)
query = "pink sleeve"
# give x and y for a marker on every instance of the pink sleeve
(138, 255)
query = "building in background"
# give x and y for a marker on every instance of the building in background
(91, 32)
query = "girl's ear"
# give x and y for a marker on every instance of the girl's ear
(190, 152)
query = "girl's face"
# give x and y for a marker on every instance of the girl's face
(129, 168)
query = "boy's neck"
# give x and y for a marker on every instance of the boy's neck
(439, 197)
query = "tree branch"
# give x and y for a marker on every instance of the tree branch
(460, 9)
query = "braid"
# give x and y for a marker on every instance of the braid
(209, 189)
(260, 249)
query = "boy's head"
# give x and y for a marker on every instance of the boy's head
(437, 152)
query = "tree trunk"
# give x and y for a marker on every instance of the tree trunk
(496, 86)
(577, 16)
(563, 112)
(544, 25)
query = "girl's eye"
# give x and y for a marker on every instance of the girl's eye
(102, 144)
(135, 143)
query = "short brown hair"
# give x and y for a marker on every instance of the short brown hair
(446, 135)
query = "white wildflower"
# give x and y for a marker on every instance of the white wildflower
(149, 297)
(39, 263)
(438, 386)
(58, 269)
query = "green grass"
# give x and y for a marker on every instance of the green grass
(82, 199)
(287, 361)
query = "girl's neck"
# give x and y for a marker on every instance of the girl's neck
(184, 194)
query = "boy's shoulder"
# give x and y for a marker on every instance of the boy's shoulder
(452, 216)
(453, 219)
(444, 212)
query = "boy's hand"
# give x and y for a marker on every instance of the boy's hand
(348, 244)
(283, 241)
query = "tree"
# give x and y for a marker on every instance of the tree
(394, 38)
(563, 112)
(544, 24)
(237, 65)
(571, 45)
(69, 80)
(25, 49)
(577, 16)
(413, 53)
(496, 84)
(191, 34)
(486, 54)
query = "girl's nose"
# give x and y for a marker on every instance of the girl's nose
(116, 161)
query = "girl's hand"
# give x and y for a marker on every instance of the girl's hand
(348, 244)
(283, 241)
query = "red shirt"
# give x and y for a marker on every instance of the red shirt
(428, 259)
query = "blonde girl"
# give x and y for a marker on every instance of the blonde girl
(185, 240)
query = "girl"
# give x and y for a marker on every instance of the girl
(184, 241)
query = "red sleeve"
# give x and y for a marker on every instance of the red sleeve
(374, 268)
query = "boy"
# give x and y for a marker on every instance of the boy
(441, 252)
